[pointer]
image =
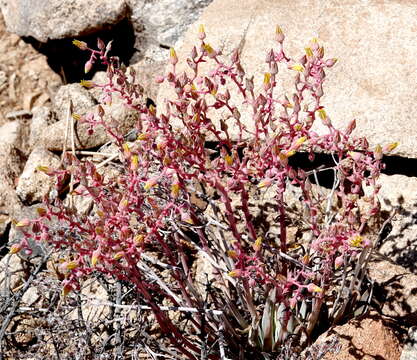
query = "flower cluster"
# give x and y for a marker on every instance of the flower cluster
(179, 196)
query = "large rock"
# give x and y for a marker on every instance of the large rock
(11, 133)
(33, 184)
(162, 22)
(367, 339)
(41, 119)
(116, 115)
(57, 19)
(399, 193)
(373, 40)
(80, 98)
(395, 290)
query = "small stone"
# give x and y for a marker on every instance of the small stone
(10, 133)
(33, 184)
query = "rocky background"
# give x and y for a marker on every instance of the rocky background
(374, 82)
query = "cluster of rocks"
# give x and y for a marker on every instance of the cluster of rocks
(372, 83)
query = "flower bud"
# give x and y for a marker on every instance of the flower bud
(378, 152)
(390, 147)
(257, 245)
(185, 217)
(100, 44)
(201, 32)
(297, 67)
(71, 265)
(95, 257)
(23, 223)
(173, 59)
(232, 254)
(331, 62)
(265, 183)
(87, 84)
(235, 273)
(313, 288)
(338, 262)
(267, 81)
(279, 35)
(159, 79)
(134, 163)
(15, 248)
(119, 255)
(87, 67)
(273, 68)
(151, 183)
(80, 44)
(209, 50)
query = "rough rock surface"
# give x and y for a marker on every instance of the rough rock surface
(41, 119)
(399, 193)
(162, 22)
(410, 348)
(57, 19)
(26, 80)
(117, 115)
(80, 97)
(33, 184)
(367, 339)
(10, 133)
(372, 81)
(395, 291)
(11, 165)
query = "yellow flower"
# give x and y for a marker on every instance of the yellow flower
(80, 44)
(298, 67)
(235, 273)
(301, 140)
(87, 83)
(134, 163)
(257, 245)
(228, 159)
(15, 248)
(322, 114)
(175, 190)
(265, 183)
(138, 239)
(71, 265)
(356, 241)
(118, 255)
(150, 184)
(309, 52)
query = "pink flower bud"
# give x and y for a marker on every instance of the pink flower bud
(100, 44)
(173, 59)
(159, 79)
(331, 62)
(293, 302)
(312, 288)
(201, 32)
(279, 35)
(338, 262)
